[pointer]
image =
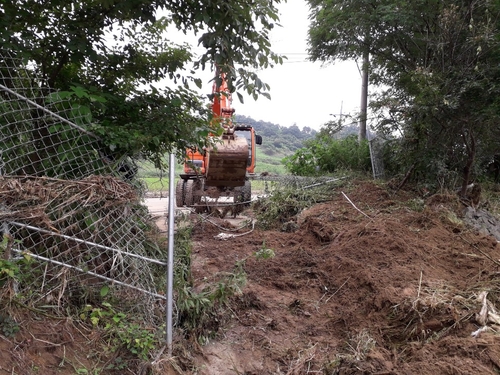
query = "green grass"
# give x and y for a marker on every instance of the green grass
(267, 163)
(155, 183)
(258, 186)
(270, 168)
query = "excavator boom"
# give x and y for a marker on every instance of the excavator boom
(227, 159)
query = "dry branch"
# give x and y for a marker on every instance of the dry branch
(95, 228)
(37, 199)
(346, 197)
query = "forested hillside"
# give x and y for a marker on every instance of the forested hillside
(278, 142)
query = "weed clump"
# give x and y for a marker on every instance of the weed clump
(290, 197)
(198, 311)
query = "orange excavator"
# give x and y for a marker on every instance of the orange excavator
(223, 169)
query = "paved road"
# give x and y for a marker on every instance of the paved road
(157, 206)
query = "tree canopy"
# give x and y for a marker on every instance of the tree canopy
(438, 63)
(106, 54)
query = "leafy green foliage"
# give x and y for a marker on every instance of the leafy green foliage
(286, 201)
(281, 206)
(439, 62)
(10, 269)
(114, 60)
(303, 163)
(236, 35)
(123, 331)
(8, 326)
(197, 310)
(327, 155)
(264, 252)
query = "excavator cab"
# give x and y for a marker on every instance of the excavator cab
(252, 139)
(194, 163)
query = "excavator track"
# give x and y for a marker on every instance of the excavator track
(187, 193)
(179, 193)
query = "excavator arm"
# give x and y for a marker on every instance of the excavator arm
(221, 170)
(226, 163)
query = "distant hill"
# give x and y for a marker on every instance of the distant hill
(277, 142)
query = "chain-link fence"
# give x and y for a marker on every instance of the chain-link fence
(376, 153)
(70, 221)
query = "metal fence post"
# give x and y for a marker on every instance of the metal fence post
(170, 260)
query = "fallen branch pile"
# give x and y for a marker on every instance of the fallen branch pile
(40, 199)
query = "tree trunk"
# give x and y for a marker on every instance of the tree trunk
(364, 97)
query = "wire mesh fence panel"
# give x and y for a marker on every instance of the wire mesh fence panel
(64, 204)
(376, 152)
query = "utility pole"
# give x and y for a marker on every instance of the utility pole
(364, 97)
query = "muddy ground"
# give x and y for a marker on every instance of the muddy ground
(370, 282)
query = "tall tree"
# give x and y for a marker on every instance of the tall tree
(113, 50)
(439, 61)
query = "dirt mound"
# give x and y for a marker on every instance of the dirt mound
(39, 343)
(370, 282)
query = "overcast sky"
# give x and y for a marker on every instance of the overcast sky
(302, 92)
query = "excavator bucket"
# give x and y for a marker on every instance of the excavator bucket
(227, 163)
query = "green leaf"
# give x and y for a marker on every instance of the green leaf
(177, 102)
(79, 91)
(104, 291)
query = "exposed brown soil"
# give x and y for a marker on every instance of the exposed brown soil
(386, 283)
(47, 345)
(370, 286)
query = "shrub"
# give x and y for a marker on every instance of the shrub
(327, 155)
